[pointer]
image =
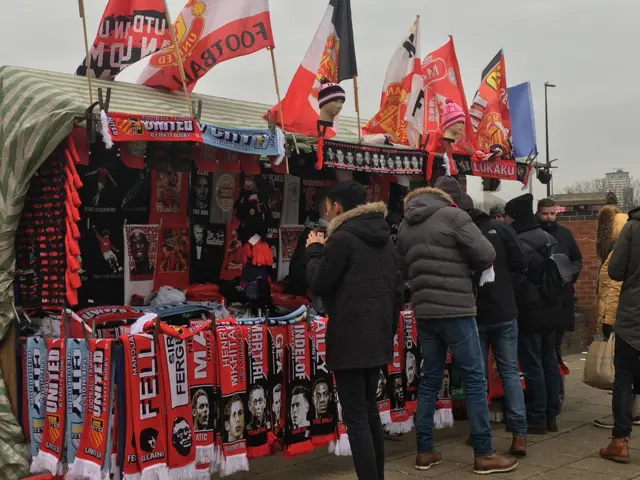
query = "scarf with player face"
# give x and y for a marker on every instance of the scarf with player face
(413, 358)
(179, 419)
(230, 343)
(443, 416)
(35, 360)
(323, 425)
(50, 454)
(277, 343)
(77, 370)
(298, 431)
(340, 446)
(401, 419)
(94, 453)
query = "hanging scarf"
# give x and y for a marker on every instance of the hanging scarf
(147, 399)
(94, 450)
(259, 435)
(323, 425)
(277, 342)
(36, 355)
(114, 467)
(50, 454)
(443, 415)
(130, 467)
(413, 359)
(298, 431)
(233, 384)
(401, 419)
(341, 446)
(77, 371)
(382, 397)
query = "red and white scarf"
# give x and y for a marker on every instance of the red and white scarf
(401, 419)
(49, 457)
(341, 446)
(277, 345)
(413, 359)
(323, 425)
(131, 467)
(443, 415)
(382, 397)
(94, 445)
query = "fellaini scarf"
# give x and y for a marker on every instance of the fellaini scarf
(341, 446)
(412, 359)
(298, 431)
(49, 458)
(36, 357)
(443, 415)
(94, 451)
(77, 370)
(401, 419)
(179, 415)
(277, 344)
(259, 434)
(323, 425)
(230, 342)
(148, 401)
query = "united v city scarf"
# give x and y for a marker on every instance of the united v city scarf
(77, 370)
(36, 355)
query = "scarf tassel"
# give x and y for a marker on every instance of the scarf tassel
(104, 130)
(234, 464)
(155, 472)
(322, 440)
(341, 447)
(385, 418)
(45, 462)
(205, 455)
(186, 472)
(132, 476)
(400, 428)
(85, 470)
(443, 418)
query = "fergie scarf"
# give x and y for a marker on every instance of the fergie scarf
(36, 355)
(323, 425)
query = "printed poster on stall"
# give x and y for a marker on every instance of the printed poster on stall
(288, 241)
(169, 195)
(173, 258)
(140, 247)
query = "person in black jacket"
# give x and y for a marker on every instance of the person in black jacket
(497, 317)
(566, 244)
(537, 320)
(356, 272)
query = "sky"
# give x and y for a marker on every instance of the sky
(588, 48)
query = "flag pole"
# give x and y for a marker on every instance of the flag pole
(280, 109)
(86, 48)
(355, 94)
(176, 47)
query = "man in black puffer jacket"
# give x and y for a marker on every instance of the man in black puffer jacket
(357, 275)
(537, 320)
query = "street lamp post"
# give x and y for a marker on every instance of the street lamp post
(547, 85)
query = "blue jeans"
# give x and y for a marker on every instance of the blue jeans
(503, 339)
(539, 363)
(461, 336)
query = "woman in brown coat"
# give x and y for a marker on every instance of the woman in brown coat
(608, 227)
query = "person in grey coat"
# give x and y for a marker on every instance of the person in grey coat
(440, 249)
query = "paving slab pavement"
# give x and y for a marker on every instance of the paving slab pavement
(571, 453)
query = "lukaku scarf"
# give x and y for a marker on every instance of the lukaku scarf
(233, 389)
(36, 355)
(179, 418)
(401, 419)
(412, 359)
(277, 343)
(298, 431)
(77, 371)
(341, 446)
(50, 454)
(259, 435)
(443, 415)
(323, 425)
(95, 448)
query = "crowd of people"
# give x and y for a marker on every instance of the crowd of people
(503, 280)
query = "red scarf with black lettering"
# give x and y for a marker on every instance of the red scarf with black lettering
(259, 435)
(201, 369)
(230, 340)
(50, 454)
(277, 344)
(401, 419)
(147, 398)
(323, 425)
(94, 443)
(341, 446)
(298, 432)
(179, 415)
(131, 468)
(412, 359)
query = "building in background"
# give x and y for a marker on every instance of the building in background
(619, 182)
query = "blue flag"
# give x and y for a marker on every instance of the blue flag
(522, 121)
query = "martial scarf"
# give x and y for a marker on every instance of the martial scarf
(36, 357)
(401, 419)
(323, 425)
(77, 371)
(49, 457)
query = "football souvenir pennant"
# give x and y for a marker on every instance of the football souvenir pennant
(371, 159)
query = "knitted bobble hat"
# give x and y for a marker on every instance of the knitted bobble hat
(329, 92)
(452, 113)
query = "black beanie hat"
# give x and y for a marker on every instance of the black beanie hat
(329, 92)
(451, 186)
(520, 206)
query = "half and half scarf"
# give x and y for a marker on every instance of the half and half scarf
(36, 358)
(94, 452)
(49, 458)
(277, 345)
(413, 359)
(443, 415)
(323, 425)
(298, 431)
(401, 419)
(77, 371)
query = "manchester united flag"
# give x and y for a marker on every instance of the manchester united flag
(401, 113)
(210, 32)
(332, 56)
(129, 31)
(490, 110)
(443, 82)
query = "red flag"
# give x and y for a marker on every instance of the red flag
(443, 82)
(331, 56)
(129, 31)
(210, 32)
(490, 110)
(401, 113)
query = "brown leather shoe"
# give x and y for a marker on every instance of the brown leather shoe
(618, 450)
(518, 446)
(494, 464)
(424, 461)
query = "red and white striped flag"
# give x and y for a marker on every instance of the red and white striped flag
(401, 114)
(210, 32)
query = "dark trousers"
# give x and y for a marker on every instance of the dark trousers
(357, 393)
(626, 360)
(539, 364)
